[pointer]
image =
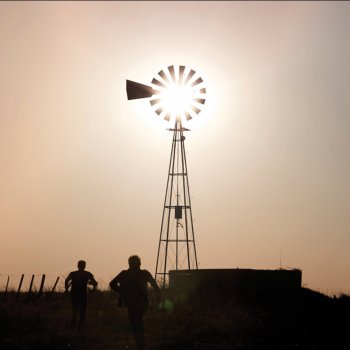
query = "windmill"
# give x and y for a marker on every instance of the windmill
(176, 93)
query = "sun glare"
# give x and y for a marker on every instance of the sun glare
(177, 99)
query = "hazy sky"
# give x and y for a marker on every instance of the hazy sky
(83, 170)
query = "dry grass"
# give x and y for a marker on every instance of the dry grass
(311, 321)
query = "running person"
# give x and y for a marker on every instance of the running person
(78, 280)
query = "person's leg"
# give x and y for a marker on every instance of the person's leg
(75, 309)
(136, 321)
(82, 310)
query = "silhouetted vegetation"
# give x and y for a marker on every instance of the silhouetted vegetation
(306, 320)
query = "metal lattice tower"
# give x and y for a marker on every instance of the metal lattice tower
(177, 248)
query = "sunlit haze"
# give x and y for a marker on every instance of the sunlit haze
(84, 170)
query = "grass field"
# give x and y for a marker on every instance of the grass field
(309, 321)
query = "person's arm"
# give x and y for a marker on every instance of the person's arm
(92, 281)
(154, 285)
(67, 282)
(114, 284)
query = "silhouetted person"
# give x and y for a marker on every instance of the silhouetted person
(131, 285)
(78, 280)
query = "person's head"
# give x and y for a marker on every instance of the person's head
(134, 262)
(81, 265)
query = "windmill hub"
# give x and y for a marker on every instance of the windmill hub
(177, 99)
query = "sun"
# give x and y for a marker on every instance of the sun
(176, 99)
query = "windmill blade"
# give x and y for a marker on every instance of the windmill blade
(188, 116)
(195, 109)
(158, 83)
(198, 81)
(172, 73)
(154, 102)
(163, 76)
(167, 117)
(203, 91)
(190, 75)
(159, 110)
(181, 73)
(136, 90)
(200, 100)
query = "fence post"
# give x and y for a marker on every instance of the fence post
(7, 284)
(19, 287)
(41, 286)
(30, 287)
(54, 286)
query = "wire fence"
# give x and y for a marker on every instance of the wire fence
(33, 285)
